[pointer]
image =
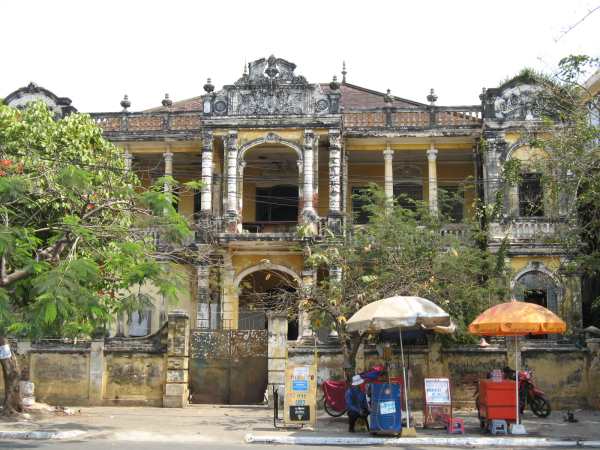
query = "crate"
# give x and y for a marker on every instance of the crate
(497, 400)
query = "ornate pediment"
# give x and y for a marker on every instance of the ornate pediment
(270, 87)
(513, 102)
(60, 106)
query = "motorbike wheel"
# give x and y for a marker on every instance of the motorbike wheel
(540, 406)
(332, 412)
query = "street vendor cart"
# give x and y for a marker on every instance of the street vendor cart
(496, 402)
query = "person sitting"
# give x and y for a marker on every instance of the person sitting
(356, 402)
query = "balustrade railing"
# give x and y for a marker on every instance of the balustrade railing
(523, 229)
(181, 121)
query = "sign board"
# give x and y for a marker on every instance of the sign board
(438, 403)
(437, 391)
(300, 401)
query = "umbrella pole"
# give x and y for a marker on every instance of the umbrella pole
(405, 382)
(517, 374)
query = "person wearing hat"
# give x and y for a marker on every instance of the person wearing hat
(356, 402)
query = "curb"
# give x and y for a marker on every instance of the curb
(41, 435)
(434, 441)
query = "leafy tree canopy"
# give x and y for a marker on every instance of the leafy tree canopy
(74, 242)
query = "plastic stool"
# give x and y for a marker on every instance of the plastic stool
(498, 427)
(455, 426)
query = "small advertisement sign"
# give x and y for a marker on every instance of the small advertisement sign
(300, 401)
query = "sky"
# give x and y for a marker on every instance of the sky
(96, 51)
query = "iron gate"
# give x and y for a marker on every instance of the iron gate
(228, 366)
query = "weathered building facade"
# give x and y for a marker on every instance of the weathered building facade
(275, 153)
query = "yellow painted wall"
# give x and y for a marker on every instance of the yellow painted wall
(294, 262)
(517, 263)
(133, 379)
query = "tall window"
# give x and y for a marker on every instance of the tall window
(277, 204)
(452, 203)
(197, 203)
(531, 196)
(406, 194)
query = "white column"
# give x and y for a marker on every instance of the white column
(388, 158)
(335, 150)
(308, 211)
(232, 153)
(207, 172)
(128, 159)
(432, 177)
(168, 157)
(241, 187)
(335, 276)
(307, 334)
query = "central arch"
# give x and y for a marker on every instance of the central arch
(269, 185)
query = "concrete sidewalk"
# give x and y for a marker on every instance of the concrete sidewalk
(230, 424)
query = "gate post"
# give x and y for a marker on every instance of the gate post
(176, 388)
(276, 353)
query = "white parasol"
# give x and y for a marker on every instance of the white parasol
(402, 313)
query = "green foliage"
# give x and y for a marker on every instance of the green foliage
(403, 251)
(72, 227)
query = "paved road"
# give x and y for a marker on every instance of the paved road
(102, 444)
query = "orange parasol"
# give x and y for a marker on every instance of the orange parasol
(517, 319)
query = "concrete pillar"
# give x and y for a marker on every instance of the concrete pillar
(168, 157)
(176, 392)
(309, 214)
(230, 304)
(207, 173)
(432, 177)
(231, 215)
(388, 158)
(96, 382)
(335, 276)
(277, 353)
(240, 205)
(307, 335)
(128, 157)
(335, 182)
(202, 296)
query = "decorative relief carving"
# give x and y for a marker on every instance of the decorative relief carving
(518, 103)
(270, 87)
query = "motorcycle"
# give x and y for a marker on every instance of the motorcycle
(334, 391)
(529, 393)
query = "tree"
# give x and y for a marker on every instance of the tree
(573, 171)
(75, 250)
(400, 251)
(570, 168)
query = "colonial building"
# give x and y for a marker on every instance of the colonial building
(275, 151)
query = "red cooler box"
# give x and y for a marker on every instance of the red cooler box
(497, 400)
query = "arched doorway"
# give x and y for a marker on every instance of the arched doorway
(265, 291)
(270, 187)
(536, 286)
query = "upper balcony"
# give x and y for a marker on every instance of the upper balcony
(119, 126)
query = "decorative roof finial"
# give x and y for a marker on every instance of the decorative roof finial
(167, 102)
(209, 87)
(334, 84)
(387, 98)
(245, 69)
(482, 95)
(344, 71)
(432, 97)
(125, 103)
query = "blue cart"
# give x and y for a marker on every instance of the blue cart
(386, 416)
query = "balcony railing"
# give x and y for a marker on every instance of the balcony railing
(270, 227)
(421, 117)
(424, 117)
(524, 229)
